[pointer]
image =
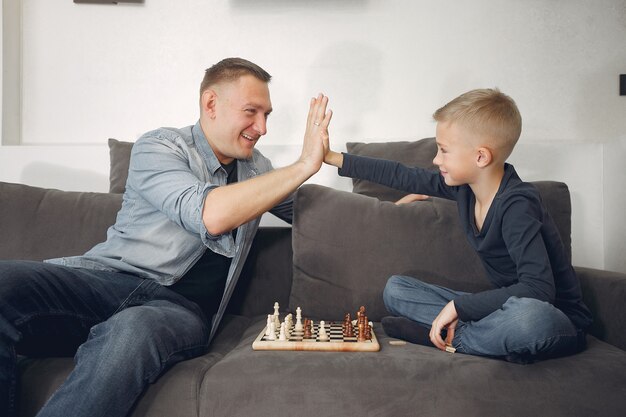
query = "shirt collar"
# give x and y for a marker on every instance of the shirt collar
(202, 144)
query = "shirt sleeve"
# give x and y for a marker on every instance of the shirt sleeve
(396, 175)
(160, 173)
(522, 234)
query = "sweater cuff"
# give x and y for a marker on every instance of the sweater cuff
(346, 167)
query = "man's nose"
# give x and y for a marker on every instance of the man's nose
(261, 125)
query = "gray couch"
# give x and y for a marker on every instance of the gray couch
(337, 256)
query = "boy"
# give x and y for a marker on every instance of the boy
(535, 309)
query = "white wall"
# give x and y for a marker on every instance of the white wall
(90, 72)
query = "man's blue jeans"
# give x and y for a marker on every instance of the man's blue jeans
(128, 330)
(524, 327)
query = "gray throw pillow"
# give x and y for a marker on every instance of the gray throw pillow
(419, 153)
(346, 246)
(119, 153)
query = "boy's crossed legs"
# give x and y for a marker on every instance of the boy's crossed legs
(524, 328)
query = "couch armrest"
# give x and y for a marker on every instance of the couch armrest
(604, 293)
(266, 275)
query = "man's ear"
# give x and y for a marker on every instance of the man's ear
(484, 157)
(208, 101)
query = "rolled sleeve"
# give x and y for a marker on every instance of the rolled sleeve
(160, 173)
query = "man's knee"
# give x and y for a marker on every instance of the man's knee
(159, 328)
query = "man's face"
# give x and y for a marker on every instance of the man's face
(238, 118)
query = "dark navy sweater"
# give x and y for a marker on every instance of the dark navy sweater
(519, 244)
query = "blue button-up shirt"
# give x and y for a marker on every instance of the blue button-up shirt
(159, 233)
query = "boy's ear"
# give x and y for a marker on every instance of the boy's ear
(209, 100)
(484, 157)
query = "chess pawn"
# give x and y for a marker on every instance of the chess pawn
(307, 329)
(321, 334)
(361, 335)
(282, 335)
(368, 330)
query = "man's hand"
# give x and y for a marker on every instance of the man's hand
(316, 133)
(446, 319)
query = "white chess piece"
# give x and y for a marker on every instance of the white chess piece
(282, 335)
(298, 326)
(272, 335)
(288, 322)
(267, 325)
(321, 333)
(276, 314)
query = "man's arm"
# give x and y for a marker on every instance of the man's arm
(228, 207)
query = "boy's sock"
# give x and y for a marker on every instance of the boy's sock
(405, 329)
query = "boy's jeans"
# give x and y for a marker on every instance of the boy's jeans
(524, 326)
(129, 331)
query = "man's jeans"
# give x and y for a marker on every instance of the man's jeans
(523, 327)
(127, 330)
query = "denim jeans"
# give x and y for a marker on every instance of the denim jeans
(523, 327)
(124, 330)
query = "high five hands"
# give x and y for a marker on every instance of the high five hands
(316, 133)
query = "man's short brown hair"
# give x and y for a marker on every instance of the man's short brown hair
(231, 69)
(488, 112)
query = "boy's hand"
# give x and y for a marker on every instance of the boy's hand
(409, 198)
(446, 319)
(331, 157)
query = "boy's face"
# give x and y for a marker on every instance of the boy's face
(456, 156)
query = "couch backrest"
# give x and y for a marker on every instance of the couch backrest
(346, 246)
(38, 223)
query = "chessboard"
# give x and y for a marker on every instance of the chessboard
(309, 336)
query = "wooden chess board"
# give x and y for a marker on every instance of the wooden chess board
(336, 341)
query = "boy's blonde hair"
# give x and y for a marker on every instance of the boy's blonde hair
(489, 113)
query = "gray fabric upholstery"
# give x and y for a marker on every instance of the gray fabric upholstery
(347, 245)
(119, 154)
(38, 223)
(418, 153)
(410, 380)
(604, 292)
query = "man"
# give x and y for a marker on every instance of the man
(154, 292)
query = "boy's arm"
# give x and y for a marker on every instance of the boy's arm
(332, 157)
(336, 159)
(391, 174)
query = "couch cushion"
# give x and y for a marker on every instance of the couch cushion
(346, 246)
(119, 153)
(418, 153)
(410, 380)
(38, 223)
